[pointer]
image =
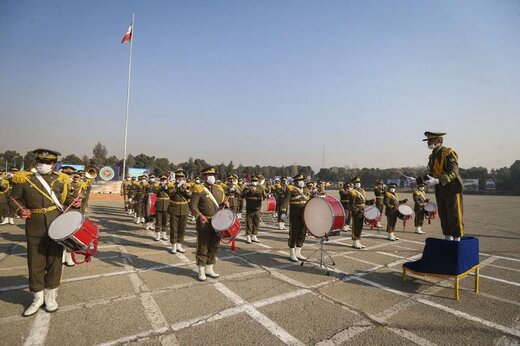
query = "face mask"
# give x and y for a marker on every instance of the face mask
(143, 181)
(254, 183)
(210, 179)
(44, 168)
(358, 185)
(152, 180)
(392, 190)
(301, 183)
(197, 181)
(179, 180)
(421, 188)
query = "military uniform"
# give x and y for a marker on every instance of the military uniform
(232, 191)
(124, 192)
(5, 189)
(132, 189)
(253, 196)
(44, 255)
(320, 189)
(180, 194)
(357, 202)
(161, 208)
(140, 187)
(240, 198)
(392, 203)
(379, 193)
(204, 206)
(420, 200)
(444, 168)
(278, 190)
(295, 199)
(344, 199)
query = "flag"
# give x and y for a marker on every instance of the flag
(128, 35)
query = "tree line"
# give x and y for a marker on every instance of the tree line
(507, 178)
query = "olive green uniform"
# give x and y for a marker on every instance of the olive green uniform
(419, 199)
(179, 211)
(294, 200)
(253, 196)
(357, 203)
(161, 208)
(86, 192)
(392, 203)
(344, 199)
(5, 192)
(124, 192)
(132, 189)
(139, 198)
(207, 238)
(279, 193)
(443, 165)
(44, 255)
(233, 192)
(379, 192)
(240, 198)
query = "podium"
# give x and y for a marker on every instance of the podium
(447, 259)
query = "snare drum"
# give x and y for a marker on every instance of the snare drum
(323, 215)
(372, 213)
(150, 204)
(404, 212)
(430, 208)
(268, 205)
(76, 233)
(226, 224)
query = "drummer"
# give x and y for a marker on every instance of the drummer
(420, 200)
(344, 191)
(392, 203)
(296, 196)
(206, 200)
(180, 194)
(253, 194)
(75, 191)
(357, 203)
(379, 192)
(38, 198)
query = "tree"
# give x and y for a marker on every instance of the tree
(11, 158)
(100, 153)
(72, 159)
(112, 161)
(29, 159)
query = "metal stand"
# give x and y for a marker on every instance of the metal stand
(320, 257)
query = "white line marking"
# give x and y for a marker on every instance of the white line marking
(269, 324)
(502, 267)
(345, 335)
(502, 257)
(39, 329)
(411, 336)
(499, 280)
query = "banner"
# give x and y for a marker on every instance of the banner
(108, 173)
(470, 185)
(135, 172)
(491, 184)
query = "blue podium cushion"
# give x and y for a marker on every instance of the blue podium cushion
(447, 257)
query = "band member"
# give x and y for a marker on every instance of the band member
(132, 190)
(87, 187)
(4, 206)
(320, 189)
(392, 203)
(312, 189)
(206, 200)
(38, 198)
(379, 192)
(444, 174)
(294, 199)
(241, 185)
(279, 191)
(344, 199)
(124, 191)
(180, 194)
(357, 204)
(149, 189)
(161, 208)
(420, 200)
(232, 193)
(254, 195)
(139, 198)
(75, 187)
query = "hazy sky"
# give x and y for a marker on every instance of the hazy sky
(264, 82)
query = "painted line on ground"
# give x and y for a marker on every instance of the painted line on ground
(39, 329)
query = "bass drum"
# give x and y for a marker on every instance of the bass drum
(268, 205)
(226, 224)
(323, 215)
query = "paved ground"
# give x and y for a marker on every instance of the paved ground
(137, 292)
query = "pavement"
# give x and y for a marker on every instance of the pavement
(135, 292)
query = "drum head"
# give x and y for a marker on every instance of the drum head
(405, 209)
(430, 207)
(371, 213)
(223, 219)
(65, 225)
(318, 217)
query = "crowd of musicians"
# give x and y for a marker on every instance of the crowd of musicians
(41, 194)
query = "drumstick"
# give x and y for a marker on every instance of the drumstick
(17, 204)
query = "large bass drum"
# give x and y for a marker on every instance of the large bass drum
(226, 224)
(323, 215)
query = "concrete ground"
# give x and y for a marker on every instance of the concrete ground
(135, 291)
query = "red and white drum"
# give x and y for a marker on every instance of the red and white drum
(404, 212)
(323, 215)
(372, 213)
(226, 224)
(150, 204)
(268, 205)
(430, 208)
(76, 233)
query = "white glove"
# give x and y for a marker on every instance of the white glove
(432, 181)
(180, 183)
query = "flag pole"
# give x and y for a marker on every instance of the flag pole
(128, 95)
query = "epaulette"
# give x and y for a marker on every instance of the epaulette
(156, 184)
(290, 187)
(170, 185)
(20, 176)
(448, 151)
(388, 194)
(198, 188)
(62, 178)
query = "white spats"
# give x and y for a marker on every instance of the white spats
(37, 303)
(50, 299)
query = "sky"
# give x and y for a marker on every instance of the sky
(264, 82)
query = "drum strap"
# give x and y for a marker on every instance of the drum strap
(49, 191)
(210, 195)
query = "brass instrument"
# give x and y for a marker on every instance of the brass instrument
(91, 172)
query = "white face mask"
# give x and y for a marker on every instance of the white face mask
(254, 183)
(197, 181)
(421, 188)
(210, 179)
(392, 190)
(262, 182)
(152, 180)
(357, 185)
(301, 183)
(143, 180)
(164, 182)
(44, 168)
